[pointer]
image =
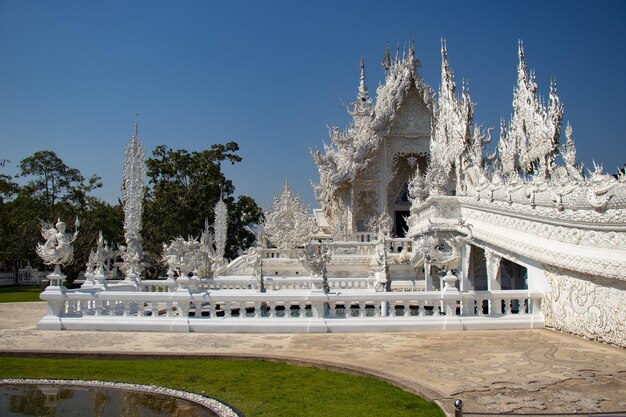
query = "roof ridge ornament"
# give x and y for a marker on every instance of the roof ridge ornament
(387, 59)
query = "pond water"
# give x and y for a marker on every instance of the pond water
(78, 401)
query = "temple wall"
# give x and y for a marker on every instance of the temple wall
(586, 305)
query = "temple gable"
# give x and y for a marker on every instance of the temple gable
(413, 118)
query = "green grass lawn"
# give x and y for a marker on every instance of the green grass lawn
(19, 293)
(256, 388)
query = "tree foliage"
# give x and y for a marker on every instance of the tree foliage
(183, 189)
(53, 181)
(54, 190)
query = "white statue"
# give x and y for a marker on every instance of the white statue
(184, 256)
(254, 258)
(58, 248)
(315, 258)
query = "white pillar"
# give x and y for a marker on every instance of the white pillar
(428, 277)
(493, 270)
(465, 284)
(493, 279)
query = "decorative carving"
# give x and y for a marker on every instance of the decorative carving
(532, 139)
(254, 258)
(315, 258)
(366, 209)
(219, 229)
(58, 248)
(585, 305)
(132, 195)
(352, 150)
(103, 255)
(444, 252)
(184, 256)
(413, 118)
(288, 224)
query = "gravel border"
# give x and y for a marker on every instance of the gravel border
(212, 404)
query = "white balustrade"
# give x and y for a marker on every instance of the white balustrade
(202, 310)
(25, 276)
(364, 245)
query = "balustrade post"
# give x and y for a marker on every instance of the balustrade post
(427, 277)
(384, 308)
(466, 283)
(535, 306)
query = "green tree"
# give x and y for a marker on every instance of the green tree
(54, 191)
(8, 188)
(183, 189)
(54, 181)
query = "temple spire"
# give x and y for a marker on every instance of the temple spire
(136, 132)
(387, 59)
(363, 94)
(363, 105)
(448, 85)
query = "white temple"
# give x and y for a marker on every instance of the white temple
(419, 229)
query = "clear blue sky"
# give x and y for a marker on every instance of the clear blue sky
(273, 75)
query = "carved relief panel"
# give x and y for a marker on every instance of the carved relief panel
(413, 118)
(366, 209)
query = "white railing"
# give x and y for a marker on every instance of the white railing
(158, 285)
(292, 311)
(26, 276)
(364, 245)
(271, 284)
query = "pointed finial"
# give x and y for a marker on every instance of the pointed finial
(136, 133)
(520, 49)
(363, 94)
(404, 51)
(387, 59)
(444, 47)
(553, 87)
(398, 53)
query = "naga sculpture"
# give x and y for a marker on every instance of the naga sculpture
(442, 252)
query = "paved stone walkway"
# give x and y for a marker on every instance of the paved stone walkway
(525, 371)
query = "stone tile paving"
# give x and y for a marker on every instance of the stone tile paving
(524, 371)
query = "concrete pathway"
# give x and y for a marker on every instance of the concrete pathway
(525, 371)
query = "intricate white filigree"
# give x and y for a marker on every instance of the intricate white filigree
(315, 258)
(441, 251)
(103, 256)
(220, 227)
(532, 139)
(57, 250)
(589, 306)
(352, 150)
(133, 192)
(288, 224)
(184, 256)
